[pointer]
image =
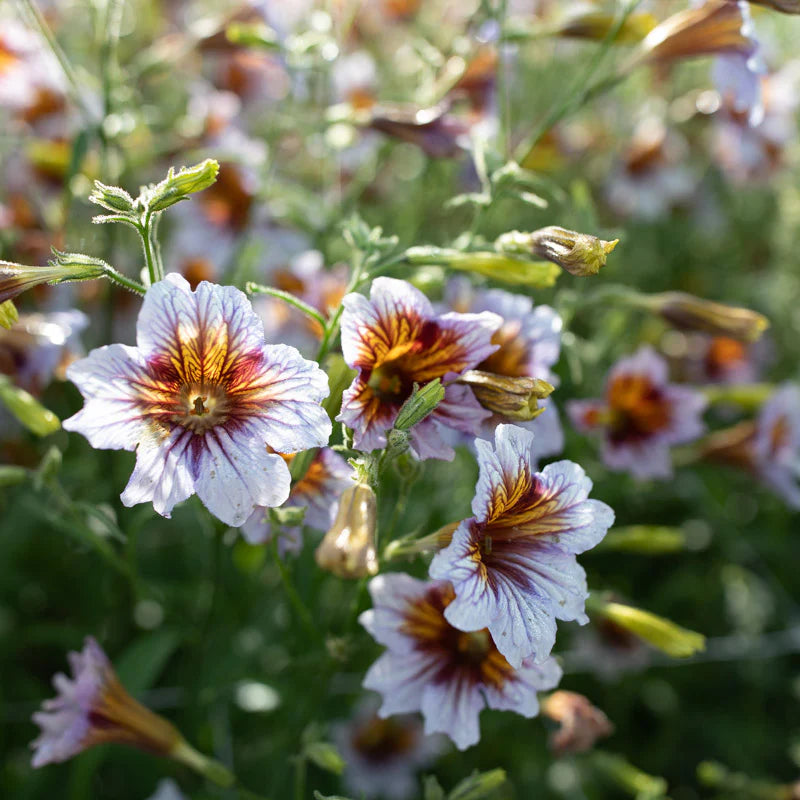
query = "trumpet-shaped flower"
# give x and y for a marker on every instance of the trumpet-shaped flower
(200, 399)
(92, 708)
(512, 564)
(641, 415)
(395, 339)
(447, 674)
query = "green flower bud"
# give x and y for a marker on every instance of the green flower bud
(27, 409)
(178, 186)
(325, 756)
(647, 539)
(421, 403)
(17, 278)
(112, 198)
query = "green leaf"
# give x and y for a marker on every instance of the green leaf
(325, 756)
(142, 662)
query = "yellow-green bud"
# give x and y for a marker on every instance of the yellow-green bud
(421, 403)
(648, 539)
(659, 632)
(17, 278)
(348, 549)
(497, 266)
(325, 756)
(112, 198)
(513, 398)
(27, 409)
(8, 314)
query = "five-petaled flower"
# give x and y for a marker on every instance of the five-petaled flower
(512, 564)
(92, 708)
(395, 339)
(641, 416)
(200, 399)
(447, 674)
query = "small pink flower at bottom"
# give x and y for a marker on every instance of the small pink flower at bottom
(447, 674)
(93, 708)
(384, 754)
(512, 564)
(641, 416)
(395, 339)
(200, 399)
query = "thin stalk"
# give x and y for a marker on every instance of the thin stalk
(294, 598)
(300, 778)
(287, 297)
(122, 280)
(144, 233)
(332, 326)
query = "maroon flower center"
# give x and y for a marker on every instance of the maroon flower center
(381, 740)
(637, 408)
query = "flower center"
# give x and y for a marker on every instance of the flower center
(389, 383)
(204, 406)
(637, 408)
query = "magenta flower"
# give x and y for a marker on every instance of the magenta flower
(318, 491)
(200, 399)
(528, 345)
(395, 339)
(641, 415)
(92, 708)
(447, 674)
(512, 565)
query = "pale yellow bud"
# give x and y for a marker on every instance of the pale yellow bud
(512, 397)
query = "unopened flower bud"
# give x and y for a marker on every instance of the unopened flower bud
(647, 539)
(112, 198)
(499, 266)
(716, 26)
(579, 254)
(348, 549)
(659, 632)
(178, 186)
(421, 403)
(64, 267)
(581, 724)
(687, 312)
(27, 409)
(511, 397)
(597, 25)
(8, 314)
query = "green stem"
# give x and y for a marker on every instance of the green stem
(300, 778)
(156, 274)
(294, 598)
(287, 297)
(332, 326)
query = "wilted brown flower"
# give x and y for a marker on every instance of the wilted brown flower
(581, 723)
(512, 397)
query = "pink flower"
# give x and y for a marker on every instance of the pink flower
(200, 399)
(641, 415)
(432, 667)
(395, 339)
(513, 565)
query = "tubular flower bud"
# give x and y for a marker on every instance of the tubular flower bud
(659, 632)
(93, 708)
(580, 254)
(581, 723)
(178, 186)
(596, 25)
(17, 278)
(512, 397)
(687, 312)
(348, 549)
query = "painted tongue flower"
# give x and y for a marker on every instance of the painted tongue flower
(447, 674)
(513, 564)
(200, 398)
(383, 755)
(92, 708)
(641, 415)
(395, 339)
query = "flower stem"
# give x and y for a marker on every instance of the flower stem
(287, 297)
(153, 267)
(122, 280)
(294, 598)
(332, 326)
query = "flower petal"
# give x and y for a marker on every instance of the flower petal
(453, 708)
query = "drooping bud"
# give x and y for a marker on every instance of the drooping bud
(499, 266)
(717, 26)
(178, 186)
(512, 397)
(580, 254)
(687, 312)
(348, 549)
(581, 724)
(64, 267)
(659, 632)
